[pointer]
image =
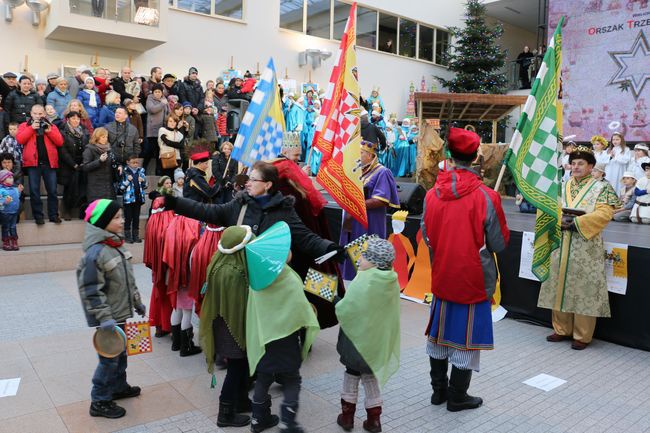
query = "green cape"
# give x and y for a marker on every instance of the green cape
(277, 312)
(369, 316)
(226, 296)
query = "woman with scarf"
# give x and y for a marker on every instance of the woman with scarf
(170, 139)
(90, 100)
(86, 122)
(107, 113)
(70, 174)
(99, 165)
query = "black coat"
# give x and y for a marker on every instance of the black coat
(219, 163)
(100, 174)
(119, 86)
(71, 153)
(197, 188)
(259, 218)
(19, 105)
(190, 91)
(371, 132)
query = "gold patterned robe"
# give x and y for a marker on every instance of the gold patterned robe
(577, 282)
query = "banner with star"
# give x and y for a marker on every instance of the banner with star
(606, 73)
(338, 133)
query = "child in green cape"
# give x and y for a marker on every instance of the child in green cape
(276, 312)
(369, 342)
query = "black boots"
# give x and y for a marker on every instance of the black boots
(187, 343)
(229, 418)
(136, 237)
(439, 380)
(176, 338)
(289, 424)
(458, 386)
(106, 409)
(262, 418)
(128, 238)
(128, 392)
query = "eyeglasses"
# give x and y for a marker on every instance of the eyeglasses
(250, 179)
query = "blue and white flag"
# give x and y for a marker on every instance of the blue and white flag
(261, 129)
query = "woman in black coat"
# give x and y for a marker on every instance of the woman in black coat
(69, 174)
(224, 170)
(259, 207)
(99, 165)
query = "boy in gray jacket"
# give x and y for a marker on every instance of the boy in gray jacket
(108, 295)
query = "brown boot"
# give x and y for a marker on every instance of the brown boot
(13, 241)
(6, 245)
(346, 418)
(556, 338)
(373, 424)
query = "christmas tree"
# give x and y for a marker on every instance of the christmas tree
(476, 58)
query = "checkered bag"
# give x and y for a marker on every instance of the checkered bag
(356, 247)
(321, 285)
(138, 337)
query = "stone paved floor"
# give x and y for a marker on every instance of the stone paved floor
(44, 341)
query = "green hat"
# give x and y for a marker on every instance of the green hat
(267, 255)
(235, 238)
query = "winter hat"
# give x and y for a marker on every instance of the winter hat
(380, 253)
(627, 174)
(157, 86)
(187, 104)
(90, 78)
(193, 70)
(463, 144)
(52, 75)
(4, 175)
(127, 102)
(178, 174)
(599, 167)
(100, 212)
(40, 81)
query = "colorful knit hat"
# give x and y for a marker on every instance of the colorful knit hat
(100, 212)
(4, 175)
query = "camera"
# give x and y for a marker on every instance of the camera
(42, 123)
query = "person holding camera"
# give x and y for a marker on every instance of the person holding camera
(40, 140)
(100, 165)
(122, 136)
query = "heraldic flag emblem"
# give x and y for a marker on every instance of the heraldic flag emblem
(261, 130)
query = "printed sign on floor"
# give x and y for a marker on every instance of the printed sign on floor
(545, 382)
(9, 387)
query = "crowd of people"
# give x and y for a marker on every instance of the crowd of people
(626, 170)
(89, 132)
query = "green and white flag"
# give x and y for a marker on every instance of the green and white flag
(534, 154)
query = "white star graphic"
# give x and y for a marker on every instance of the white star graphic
(633, 65)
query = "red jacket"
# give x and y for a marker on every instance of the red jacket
(26, 136)
(463, 224)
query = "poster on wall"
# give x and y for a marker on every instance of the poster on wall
(526, 260)
(605, 72)
(616, 267)
(289, 86)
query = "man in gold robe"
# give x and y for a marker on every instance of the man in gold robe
(576, 289)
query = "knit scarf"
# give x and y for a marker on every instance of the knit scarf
(103, 147)
(76, 131)
(113, 243)
(92, 101)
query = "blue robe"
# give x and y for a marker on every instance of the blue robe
(402, 155)
(413, 150)
(370, 100)
(295, 117)
(308, 130)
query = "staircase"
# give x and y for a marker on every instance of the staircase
(56, 247)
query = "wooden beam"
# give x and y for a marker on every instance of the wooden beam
(442, 109)
(494, 131)
(485, 113)
(460, 116)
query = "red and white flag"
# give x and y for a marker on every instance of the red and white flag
(338, 132)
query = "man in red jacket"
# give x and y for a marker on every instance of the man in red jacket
(40, 140)
(463, 224)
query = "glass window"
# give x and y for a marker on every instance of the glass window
(442, 46)
(199, 6)
(341, 14)
(425, 49)
(407, 37)
(366, 28)
(291, 12)
(229, 8)
(387, 33)
(318, 18)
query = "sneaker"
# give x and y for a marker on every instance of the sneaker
(130, 391)
(39, 221)
(106, 409)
